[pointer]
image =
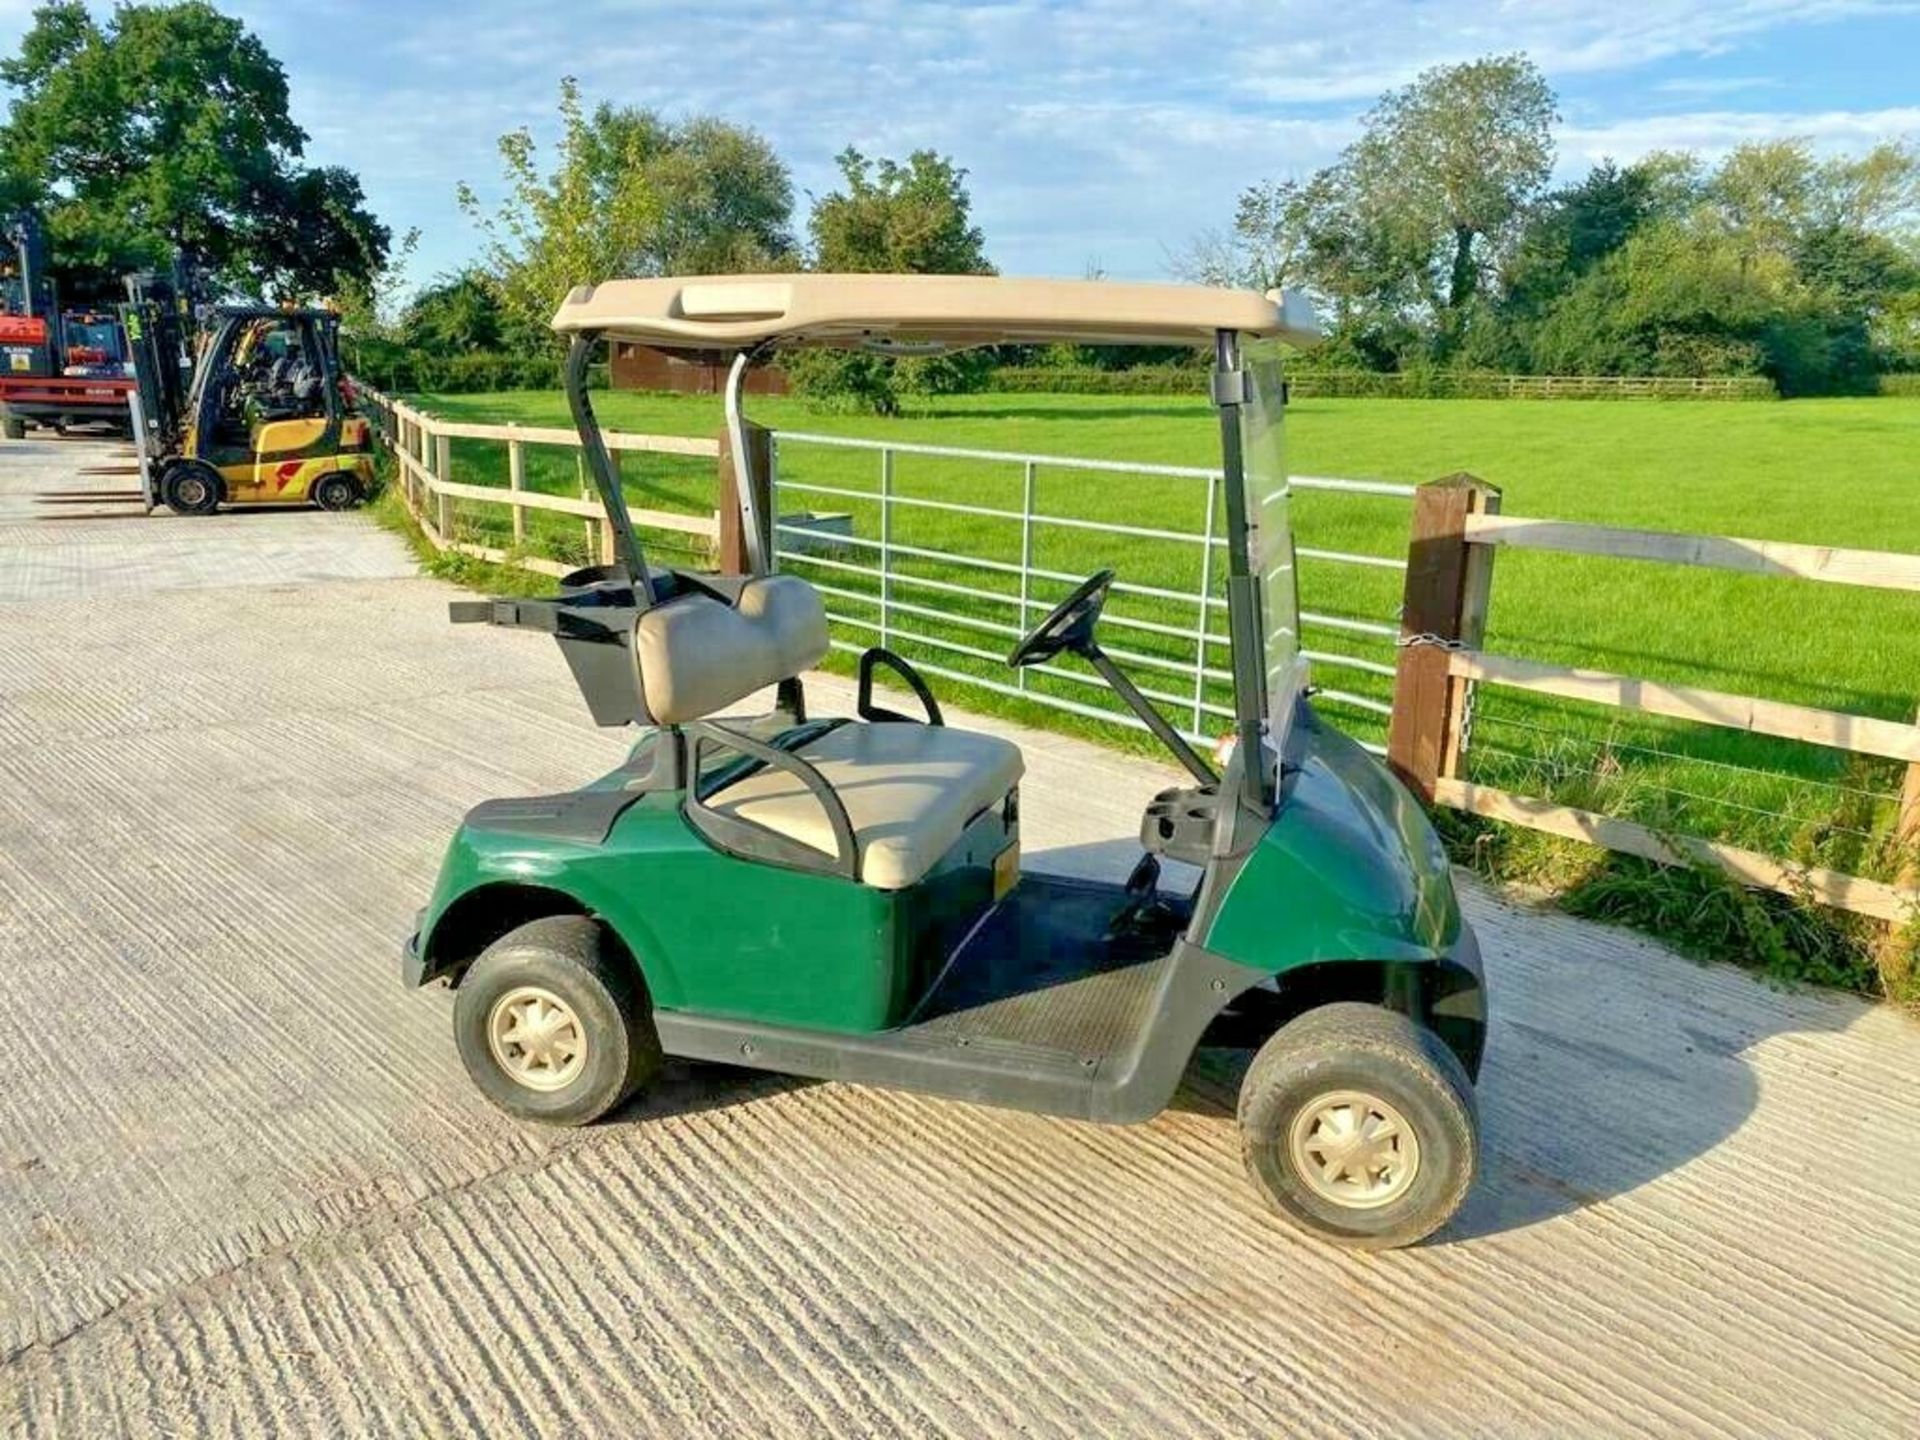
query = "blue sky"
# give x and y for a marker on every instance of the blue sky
(1097, 133)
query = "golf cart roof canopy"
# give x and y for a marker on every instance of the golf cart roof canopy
(916, 313)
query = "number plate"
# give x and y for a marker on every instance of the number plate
(1006, 870)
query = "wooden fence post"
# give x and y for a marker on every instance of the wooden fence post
(516, 482)
(443, 472)
(732, 556)
(1906, 831)
(1444, 609)
(606, 524)
(588, 536)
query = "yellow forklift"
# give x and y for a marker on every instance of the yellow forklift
(265, 415)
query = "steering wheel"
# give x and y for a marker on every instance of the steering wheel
(1069, 627)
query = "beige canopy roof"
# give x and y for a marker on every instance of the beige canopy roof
(908, 312)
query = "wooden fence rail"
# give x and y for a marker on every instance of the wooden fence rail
(422, 446)
(1457, 528)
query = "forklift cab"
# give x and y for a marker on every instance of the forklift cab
(268, 390)
(843, 897)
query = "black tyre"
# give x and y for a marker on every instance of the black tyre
(13, 427)
(554, 1024)
(190, 488)
(336, 492)
(1359, 1125)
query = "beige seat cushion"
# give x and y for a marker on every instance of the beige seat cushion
(698, 654)
(909, 791)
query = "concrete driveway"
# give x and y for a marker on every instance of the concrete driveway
(245, 1186)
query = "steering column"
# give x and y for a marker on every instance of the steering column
(1070, 629)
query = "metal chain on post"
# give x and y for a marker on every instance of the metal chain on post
(1469, 689)
(1469, 697)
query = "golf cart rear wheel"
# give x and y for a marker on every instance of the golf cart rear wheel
(336, 492)
(191, 488)
(554, 1024)
(1358, 1124)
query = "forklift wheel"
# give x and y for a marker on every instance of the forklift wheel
(190, 489)
(336, 492)
(14, 428)
(553, 1023)
(1358, 1124)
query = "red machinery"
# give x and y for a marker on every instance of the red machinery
(42, 380)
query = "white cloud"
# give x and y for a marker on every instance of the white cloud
(1109, 128)
(1714, 132)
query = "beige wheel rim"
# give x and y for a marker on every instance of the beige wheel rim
(1354, 1149)
(536, 1038)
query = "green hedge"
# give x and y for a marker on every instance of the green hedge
(1141, 380)
(400, 372)
(1419, 384)
(1903, 385)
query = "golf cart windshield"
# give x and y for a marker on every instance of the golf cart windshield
(1270, 532)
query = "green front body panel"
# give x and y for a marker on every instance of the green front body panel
(721, 935)
(1350, 869)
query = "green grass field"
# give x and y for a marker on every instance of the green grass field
(1839, 472)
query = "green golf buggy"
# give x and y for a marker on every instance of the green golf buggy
(842, 897)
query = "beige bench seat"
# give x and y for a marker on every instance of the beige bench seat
(909, 791)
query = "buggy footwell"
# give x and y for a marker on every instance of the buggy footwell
(1046, 1004)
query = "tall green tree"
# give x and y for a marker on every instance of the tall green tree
(457, 314)
(628, 193)
(1401, 233)
(1775, 262)
(887, 217)
(166, 127)
(902, 219)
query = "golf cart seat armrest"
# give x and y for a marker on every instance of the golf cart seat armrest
(878, 655)
(732, 831)
(512, 614)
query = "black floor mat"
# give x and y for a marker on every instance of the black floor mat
(1043, 971)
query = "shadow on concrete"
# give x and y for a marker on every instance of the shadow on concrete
(1579, 1102)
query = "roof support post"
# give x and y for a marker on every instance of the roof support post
(593, 449)
(753, 503)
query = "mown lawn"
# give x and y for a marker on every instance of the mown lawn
(1838, 472)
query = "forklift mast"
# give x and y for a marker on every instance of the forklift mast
(159, 323)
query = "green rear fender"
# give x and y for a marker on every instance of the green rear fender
(492, 880)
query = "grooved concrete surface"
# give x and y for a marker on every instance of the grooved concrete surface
(244, 1185)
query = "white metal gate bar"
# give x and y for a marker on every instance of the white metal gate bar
(892, 618)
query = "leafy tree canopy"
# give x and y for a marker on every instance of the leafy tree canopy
(899, 219)
(166, 128)
(890, 218)
(628, 193)
(1429, 241)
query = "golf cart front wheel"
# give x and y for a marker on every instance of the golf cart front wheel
(1358, 1124)
(190, 489)
(553, 1022)
(336, 492)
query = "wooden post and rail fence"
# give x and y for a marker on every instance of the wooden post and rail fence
(1457, 530)
(422, 448)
